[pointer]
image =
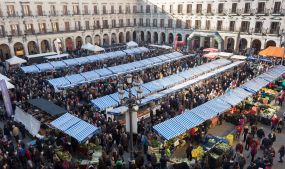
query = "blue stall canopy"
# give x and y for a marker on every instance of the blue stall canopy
(103, 72)
(75, 127)
(116, 97)
(104, 102)
(203, 112)
(75, 79)
(243, 94)
(58, 64)
(165, 131)
(90, 75)
(59, 82)
(255, 84)
(82, 60)
(231, 98)
(118, 111)
(45, 66)
(30, 69)
(71, 62)
(187, 123)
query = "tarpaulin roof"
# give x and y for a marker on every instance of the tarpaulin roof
(47, 106)
(278, 52)
(75, 127)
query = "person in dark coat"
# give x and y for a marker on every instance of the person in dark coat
(260, 133)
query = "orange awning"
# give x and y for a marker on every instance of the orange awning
(273, 51)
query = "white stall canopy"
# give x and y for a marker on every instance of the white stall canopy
(15, 61)
(93, 48)
(132, 44)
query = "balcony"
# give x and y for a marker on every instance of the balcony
(274, 31)
(280, 12)
(257, 31)
(13, 14)
(16, 33)
(262, 12)
(245, 12)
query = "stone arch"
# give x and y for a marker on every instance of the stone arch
(113, 38)
(155, 37)
(170, 38)
(69, 44)
(106, 41)
(230, 44)
(97, 40)
(242, 44)
(148, 37)
(88, 39)
(256, 45)
(134, 36)
(162, 38)
(45, 47)
(121, 37)
(79, 42)
(128, 36)
(179, 37)
(142, 36)
(196, 42)
(270, 43)
(19, 49)
(32, 48)
(5, 52)
(214, 35)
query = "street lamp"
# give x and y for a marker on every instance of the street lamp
(131, 101)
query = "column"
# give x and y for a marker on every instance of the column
(202, 41)
(26, 48)
(211, 42)
(12, 51)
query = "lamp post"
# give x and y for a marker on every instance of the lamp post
(131, 101)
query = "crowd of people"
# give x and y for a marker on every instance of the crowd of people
(16, 154)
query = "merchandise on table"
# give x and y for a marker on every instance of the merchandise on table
(198, 152)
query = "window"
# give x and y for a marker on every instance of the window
(77, 25)
(170, 9)
(64, 10)
(135, 10)
(86, 10)
(188, 24)
(26, 10)
(234, 7)
(247, 8)
(219, 25)
(189, 8)
(42, 27)
(163, 9)
(141, 22)
(178, 23)
(258, 27)
(154, 23)
(199, 9)
(95, 10)
(52, 10)
(277, 6)
(155, 9)
(147, 9)
(11, 10)
(15, 29)
(209, 8)
(104, 9)
(87, 26)
(105, 24)
(128, 22)
(208, 24)
(2, 30)
(54, 26)
(197, 24)
(141, 9)
(67, 27)
(135, 22)
(40, 10)
(169, 23)
(97, 25)
(232, 26)
(121, 23)
(162, 23)
(120, 9)
(180, 8)
(274, 28)
(128, 10)
(113, 23)
(29, 28)
(260, 7)
(147, 22)
(221, 8)
(76, 10)
(244, 26)
(112, 9)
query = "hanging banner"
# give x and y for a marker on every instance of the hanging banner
(134, 122)
(6, 98)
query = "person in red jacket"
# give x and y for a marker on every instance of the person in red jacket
(239, 147)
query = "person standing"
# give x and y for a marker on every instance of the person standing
(15, 132)
(253, 151)
(245, 132)
(281, 152)
(260, 133)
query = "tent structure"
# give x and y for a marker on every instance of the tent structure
(47, 106)
(15, 61)
(273, 52)
(211, 55)
(57, 56)
(93, 48)
(210, 50)
(132, 44)
(238, 57)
